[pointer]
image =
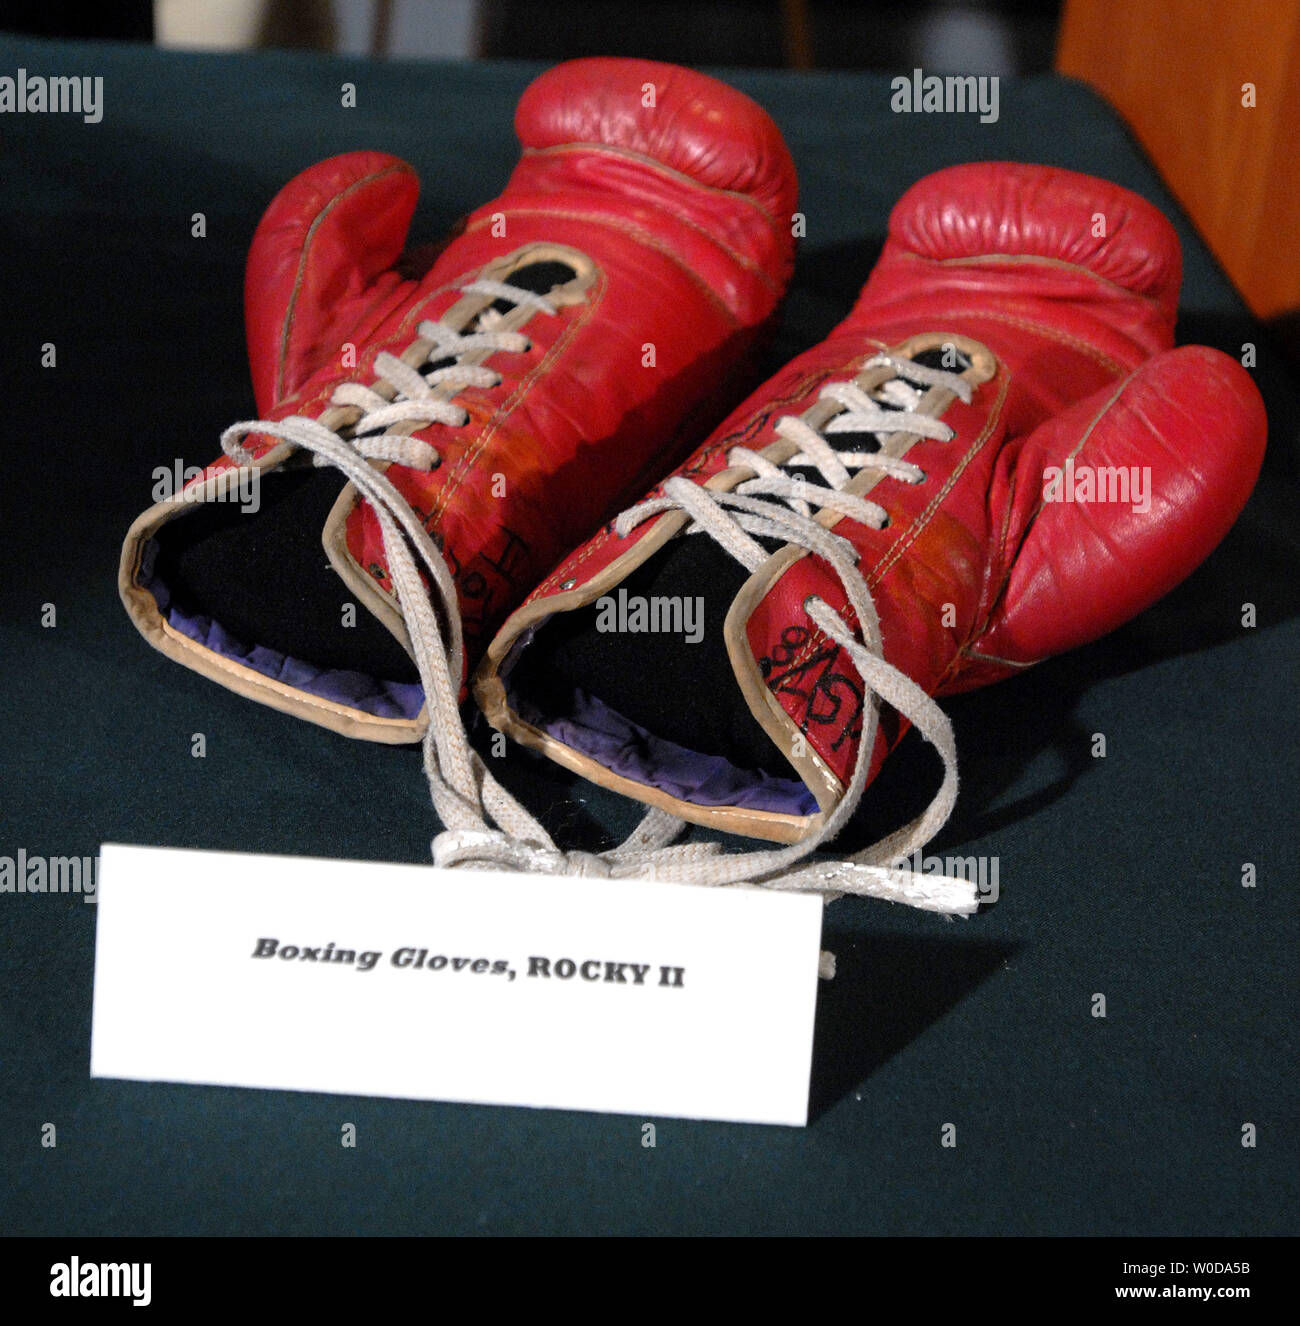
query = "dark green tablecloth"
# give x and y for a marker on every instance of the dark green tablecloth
(1119, 876)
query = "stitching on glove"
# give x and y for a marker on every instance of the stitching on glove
(637, 234)
(286, 332)
(1038, 259)
(610, 149)
(461, 470)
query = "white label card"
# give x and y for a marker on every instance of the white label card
(624, 996)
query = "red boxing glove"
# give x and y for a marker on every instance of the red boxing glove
(574, 338)
(997, 456)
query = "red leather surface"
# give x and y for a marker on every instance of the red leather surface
(1194, 417)
(698, 126)
(322, 256)
(995, 210)
(975, 575)
(684, 208)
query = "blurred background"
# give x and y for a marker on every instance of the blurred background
(971, 36)
(1211, 91)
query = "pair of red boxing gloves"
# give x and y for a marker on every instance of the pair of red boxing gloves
(998, 455)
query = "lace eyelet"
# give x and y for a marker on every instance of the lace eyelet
(885, 524)
(921, 477)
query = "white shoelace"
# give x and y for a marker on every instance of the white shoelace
(466, 797)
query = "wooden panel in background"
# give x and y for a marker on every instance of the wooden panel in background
(1175, 69)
